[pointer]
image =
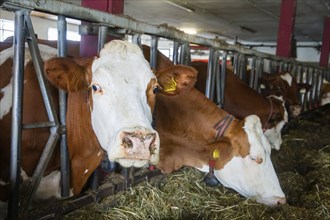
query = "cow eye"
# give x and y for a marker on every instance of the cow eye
(155, 89)
(96, 88)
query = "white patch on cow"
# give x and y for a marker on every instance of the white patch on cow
(273, 135)
(86, 171)
(3, 183)
(123, 75)
(246, 176)
(325, 98)
(6, 101)
(49, 186)
(262, 86)
(24, 176)
(7, 98)
(287, 77)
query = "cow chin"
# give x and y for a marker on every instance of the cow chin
(254, 181)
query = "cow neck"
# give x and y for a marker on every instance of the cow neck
(222, 125)
(270, 113)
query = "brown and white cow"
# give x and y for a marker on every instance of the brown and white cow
(325, 92)
(110, 103)
(240, 100)
(284, 84)
(195, 132)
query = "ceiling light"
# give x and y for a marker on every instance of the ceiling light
(189, 30)
(181, 4)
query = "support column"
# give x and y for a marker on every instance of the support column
(88, 45)
(324, 58)
(285, 28)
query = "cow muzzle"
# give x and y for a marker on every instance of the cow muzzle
(295, 110)
(138, 145)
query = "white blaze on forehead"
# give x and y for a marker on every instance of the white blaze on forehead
(123, 74)
(287, 77)
(6, 100)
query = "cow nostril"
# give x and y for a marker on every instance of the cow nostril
(127, 143)
(281, 201)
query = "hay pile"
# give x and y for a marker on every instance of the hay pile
(302, 165)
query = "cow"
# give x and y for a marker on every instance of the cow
(240, 100)
(195, 132)
(284, 84)
(110, 104)
(325, 92)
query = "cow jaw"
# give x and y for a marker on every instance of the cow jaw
(121, 116)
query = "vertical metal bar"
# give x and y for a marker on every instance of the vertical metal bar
(252, 79)
(102, 37)
(153, 52)
(182, 56)
(243, 68)
(209, 73)
(188, 55)
(318, 86)
(65, 166)
(260, 70)
(236, 59)
(136, 38)
(223, 74)
(176, 46)
(16, 120)
(216, 71)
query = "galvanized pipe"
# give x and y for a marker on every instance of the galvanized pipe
(209, 73)
(16, 119)
(65, 166)
(136, 38)
(153, 52)
(223, 75)
(252, 80)
(176, 46)
(102, 37)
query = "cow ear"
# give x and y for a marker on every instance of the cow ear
(66, 74)
(177, 79)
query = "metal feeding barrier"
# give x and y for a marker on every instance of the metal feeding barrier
(104, 24)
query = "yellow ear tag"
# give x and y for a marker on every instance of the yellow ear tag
(171, 86)
(216, 154)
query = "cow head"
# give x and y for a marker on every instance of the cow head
(252, 173)
(325, 92)
(285, 85)
(118, 87)
(243, 154)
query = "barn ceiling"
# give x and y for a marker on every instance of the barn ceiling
(248, 20)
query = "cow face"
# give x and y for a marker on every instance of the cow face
(285, 85)
(325, 92)
(253, 175)
(119, 88)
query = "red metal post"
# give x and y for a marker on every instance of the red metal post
(324, 58)
(88, 45)
(285, 28)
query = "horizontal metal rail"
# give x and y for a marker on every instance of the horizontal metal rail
(91, 15)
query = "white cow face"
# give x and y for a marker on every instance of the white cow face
(121, 112)
(253, 176)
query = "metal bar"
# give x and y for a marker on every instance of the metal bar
(223, 74)
(236, 61)
(176, 46)
(102, 37)
(136, 38)
(38, 65)
(209, 73)
(16, 120)
(39, 125)
(92, 15)
(153, 52)
(216, 71)
(64, 158)
(243, 68)
(252, 80)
